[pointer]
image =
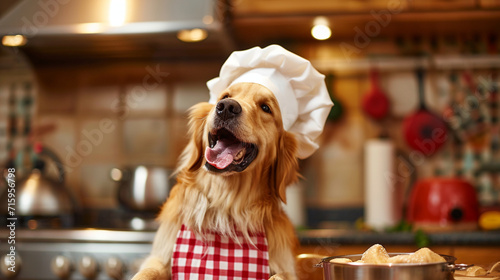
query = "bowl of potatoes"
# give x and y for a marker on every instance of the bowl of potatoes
(376, 264)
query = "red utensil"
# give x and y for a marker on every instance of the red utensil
(423, 130)
(375, 103)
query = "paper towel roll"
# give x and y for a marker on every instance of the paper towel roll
(294, 207)
(380, 194)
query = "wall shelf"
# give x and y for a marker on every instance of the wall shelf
(458, 62)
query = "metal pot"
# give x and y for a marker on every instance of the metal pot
(360, 271)
(142, 188)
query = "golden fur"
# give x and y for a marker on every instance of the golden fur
(249, 200)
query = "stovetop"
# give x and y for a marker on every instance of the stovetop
(116, 219)
(99, 245)
(73, 253)
(81, 235)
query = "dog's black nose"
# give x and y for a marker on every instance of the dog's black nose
(228, 108)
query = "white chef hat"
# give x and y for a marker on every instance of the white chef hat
(299, 88)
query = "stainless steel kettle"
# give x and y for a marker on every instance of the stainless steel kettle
(42, 199)
(39, 195)
(143, 188)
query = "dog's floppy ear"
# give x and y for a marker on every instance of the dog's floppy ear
(192, 156)
(285, 168)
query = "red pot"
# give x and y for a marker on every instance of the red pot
(443, 203)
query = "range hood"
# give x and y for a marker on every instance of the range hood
(58, 31)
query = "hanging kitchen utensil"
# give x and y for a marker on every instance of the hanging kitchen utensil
(375, 103)
(423, 130)
(337, 109)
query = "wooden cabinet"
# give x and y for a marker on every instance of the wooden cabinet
(442, 4)
(489, 4)
(297, 7)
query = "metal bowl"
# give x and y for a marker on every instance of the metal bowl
(398, 271)
(143, 188)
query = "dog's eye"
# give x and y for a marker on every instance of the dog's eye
(265, 108)
(225, 96)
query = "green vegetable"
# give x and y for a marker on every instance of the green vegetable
(422, 239)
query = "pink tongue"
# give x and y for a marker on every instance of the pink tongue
(222, 155)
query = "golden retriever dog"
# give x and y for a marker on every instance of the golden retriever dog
(231, 178)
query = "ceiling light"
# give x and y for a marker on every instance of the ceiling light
(321, 29)
(192, 35)
(14, 40)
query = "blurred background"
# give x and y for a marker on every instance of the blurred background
(94, 94)
(89, 88)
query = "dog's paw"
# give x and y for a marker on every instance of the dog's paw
(147, 274)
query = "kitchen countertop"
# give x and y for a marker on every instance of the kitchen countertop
(42, 245)
(312, 237)
(326, 237)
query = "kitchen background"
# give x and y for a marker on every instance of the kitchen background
(96, 91)
(111, 100)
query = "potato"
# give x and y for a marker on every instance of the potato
(475, 271)
(425, 255)
(399, 259)
(340, 260)
(376, 254)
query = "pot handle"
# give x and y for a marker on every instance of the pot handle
(459, 266)
(42, 150)
(312, 257)
(319, 265)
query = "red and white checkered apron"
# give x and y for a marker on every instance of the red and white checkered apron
(219, 257)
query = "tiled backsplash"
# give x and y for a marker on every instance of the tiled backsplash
(113, 117)
(17, 111)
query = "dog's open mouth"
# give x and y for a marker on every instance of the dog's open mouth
(227, 153)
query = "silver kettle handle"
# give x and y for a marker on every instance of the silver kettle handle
(44, 151)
